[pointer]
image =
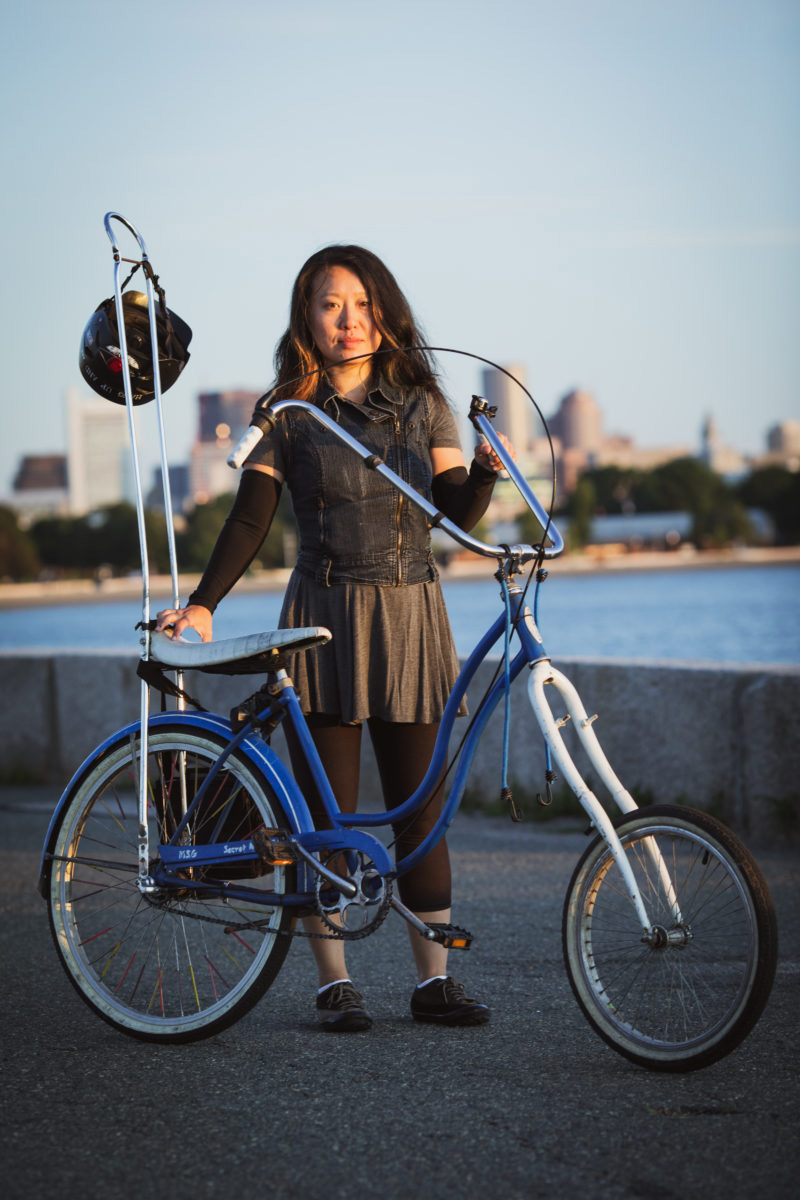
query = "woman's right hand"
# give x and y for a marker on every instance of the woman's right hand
(173, 621)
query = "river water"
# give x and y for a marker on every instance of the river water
(716, 614)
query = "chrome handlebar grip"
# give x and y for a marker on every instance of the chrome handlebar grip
(248, 441)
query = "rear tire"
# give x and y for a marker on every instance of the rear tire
(690, 1000)
(178, 966)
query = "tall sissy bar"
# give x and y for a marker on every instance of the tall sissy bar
(150, 356)
(151, 280)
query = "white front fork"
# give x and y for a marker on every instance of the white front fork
(543, 673)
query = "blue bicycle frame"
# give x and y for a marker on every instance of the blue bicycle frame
(307, 844)
(346, 832)
(307, 841)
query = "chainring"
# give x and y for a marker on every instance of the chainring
(356, 916)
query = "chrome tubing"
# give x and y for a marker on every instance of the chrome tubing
(144, 708)
(484, 425)
(162, 442)
(128, 390)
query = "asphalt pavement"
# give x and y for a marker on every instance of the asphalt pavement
(532, 1105)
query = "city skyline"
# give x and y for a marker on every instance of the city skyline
(603, 189)
(95, 469)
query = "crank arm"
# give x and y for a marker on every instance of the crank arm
(343, 885)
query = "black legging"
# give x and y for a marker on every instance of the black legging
(403, 752)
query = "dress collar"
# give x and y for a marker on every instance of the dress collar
(382, 400)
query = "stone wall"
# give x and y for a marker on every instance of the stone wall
(715, 736)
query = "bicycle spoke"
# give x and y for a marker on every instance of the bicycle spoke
(170, 962)
(681, 996)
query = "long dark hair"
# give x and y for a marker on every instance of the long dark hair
(296, 353)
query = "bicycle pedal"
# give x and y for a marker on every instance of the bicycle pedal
(273, 849)
(450, 936)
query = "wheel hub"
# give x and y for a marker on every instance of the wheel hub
(660, 938)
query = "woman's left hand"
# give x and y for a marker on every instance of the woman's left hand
(173, 621)
(486, 457)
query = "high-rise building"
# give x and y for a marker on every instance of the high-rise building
(40, 487)
(577, 432)
(178, 488)
(224, 415)
(222, 419)
(784, 439)
(517, 419)
(514, 409)
(41, 472)
(578, 424)
(98, 454)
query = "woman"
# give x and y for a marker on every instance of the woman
(365, 571)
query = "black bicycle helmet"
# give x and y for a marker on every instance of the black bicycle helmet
(100, 357)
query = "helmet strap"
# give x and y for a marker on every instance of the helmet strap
(130, 276)
(171, 345)
(171, 337)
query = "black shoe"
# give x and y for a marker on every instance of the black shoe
(444, 1002)
(342, 1009)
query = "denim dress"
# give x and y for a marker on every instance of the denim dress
(365, 569)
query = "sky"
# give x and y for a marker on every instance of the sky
(606, 191)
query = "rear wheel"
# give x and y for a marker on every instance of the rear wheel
(176, 965)
(690, 993)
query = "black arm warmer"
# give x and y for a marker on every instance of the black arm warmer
(461, 497)
(240, 538)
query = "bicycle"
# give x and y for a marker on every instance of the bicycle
(182, 853)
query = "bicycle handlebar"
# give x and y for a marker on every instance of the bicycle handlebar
(483, 424)
(264, 419)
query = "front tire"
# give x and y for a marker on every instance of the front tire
(691, 994)
(180, 965)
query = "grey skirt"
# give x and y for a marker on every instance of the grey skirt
(391, 655)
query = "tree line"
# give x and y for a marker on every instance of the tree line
(718, 509)
(107, 540)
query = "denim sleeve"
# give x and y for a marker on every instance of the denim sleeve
(273, 449)
(444, 430)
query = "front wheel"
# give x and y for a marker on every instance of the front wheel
(689, 993)
(182, 963)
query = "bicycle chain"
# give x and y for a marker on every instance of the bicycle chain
(259, 925)
(347, 935)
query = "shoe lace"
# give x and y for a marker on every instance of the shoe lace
(344, 997)
(453, 992)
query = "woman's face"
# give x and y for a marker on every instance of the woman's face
(340, 317)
